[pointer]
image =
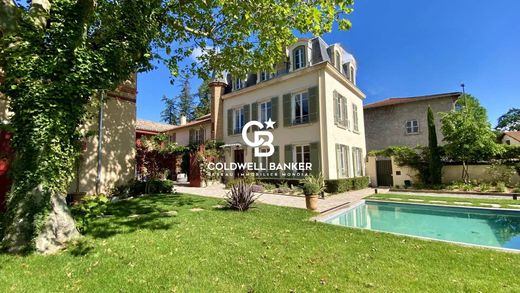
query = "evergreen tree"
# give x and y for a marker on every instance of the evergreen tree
(435, 164)
(204, 104)
(170, 113)
(185, 99)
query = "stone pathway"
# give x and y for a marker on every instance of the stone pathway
(330, 202)
(505, 196)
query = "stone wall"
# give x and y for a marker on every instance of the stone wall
(385, 126)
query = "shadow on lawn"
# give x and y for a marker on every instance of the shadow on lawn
(145, 213)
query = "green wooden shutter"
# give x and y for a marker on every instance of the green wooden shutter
(347, 165)
(254, 112)
(336, 110)
(338, 160)
(288, 156)
(230, 121)
(314, 106)
(315, 158)
(288, 153)
(247, 110)
(287, 117)
(274, 111)
(345, 113)
(275, 158)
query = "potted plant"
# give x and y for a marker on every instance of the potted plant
(313, 186)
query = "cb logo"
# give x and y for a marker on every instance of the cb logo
(259, 141)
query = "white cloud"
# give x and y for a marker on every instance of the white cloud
(198, 51)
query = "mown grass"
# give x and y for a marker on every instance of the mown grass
(268, 249)
(475, 201)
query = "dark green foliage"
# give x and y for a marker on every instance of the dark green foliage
(170, 113)
(434, 162)
(185, 99)
(468, 134)
(417, 158)
(511, 153)
(347, 184)
(241, 196)
(90, 207)
(156, 186)
(204, 104)
(313, 185)
(130, 189)
(510, 121)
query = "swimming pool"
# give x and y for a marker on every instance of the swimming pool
(477, 226)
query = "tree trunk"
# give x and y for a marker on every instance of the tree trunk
(465, 172)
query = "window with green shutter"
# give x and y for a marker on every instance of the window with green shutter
(315, 158)
(230, 121)
(274, 111)
(314, 105)
(287, 108)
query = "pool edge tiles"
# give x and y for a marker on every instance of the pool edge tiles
(469, 226)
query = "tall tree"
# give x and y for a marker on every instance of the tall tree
(170, 113)
(510, 121)
(435, 163)
(204, 104)
(185, 99)
(56, 55)
(468, 134)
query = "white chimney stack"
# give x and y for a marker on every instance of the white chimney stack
(183, 119)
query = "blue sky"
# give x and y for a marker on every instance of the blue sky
(413, 47)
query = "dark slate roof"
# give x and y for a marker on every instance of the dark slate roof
(319, 51)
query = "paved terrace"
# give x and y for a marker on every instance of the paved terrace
(326, 204)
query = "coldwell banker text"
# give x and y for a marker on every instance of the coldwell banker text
(261, 170)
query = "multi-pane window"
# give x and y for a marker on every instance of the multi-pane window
(197, 136)
(238, 120)
(355, 117)
(299, 57)
(342, 160)
(351, 75)
(340, 110)
(300, 106)
(357, 161)
(337, 61)
(412, 126)
(265, 111)
(302, 154)
(238, 84)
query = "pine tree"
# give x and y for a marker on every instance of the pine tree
(435, 156)
(204, 104)
(185, 99)
(170, 113)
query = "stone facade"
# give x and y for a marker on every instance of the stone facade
(386, 121)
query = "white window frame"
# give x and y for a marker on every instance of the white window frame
(238, 117)
(355, 117)
(357, 154)
(299, 63)
(352, 74)
(302, 148)
(238, 83)
(337, 60)
(303, 118)
(263, 106)
(343, 168)
(412, 126)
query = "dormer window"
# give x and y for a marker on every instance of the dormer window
(299, 57)
(238, 84)
(337, 61)
(351, 75)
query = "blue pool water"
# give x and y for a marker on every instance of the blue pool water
(496, 228)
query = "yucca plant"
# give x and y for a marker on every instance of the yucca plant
(241, 196)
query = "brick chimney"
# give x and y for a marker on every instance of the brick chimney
(216, 89)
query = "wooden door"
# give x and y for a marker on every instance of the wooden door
(384, 173)
(239, 158)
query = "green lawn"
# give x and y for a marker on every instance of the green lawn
(475, 202)
(269, 249)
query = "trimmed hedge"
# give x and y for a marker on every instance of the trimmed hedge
(343, 185)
